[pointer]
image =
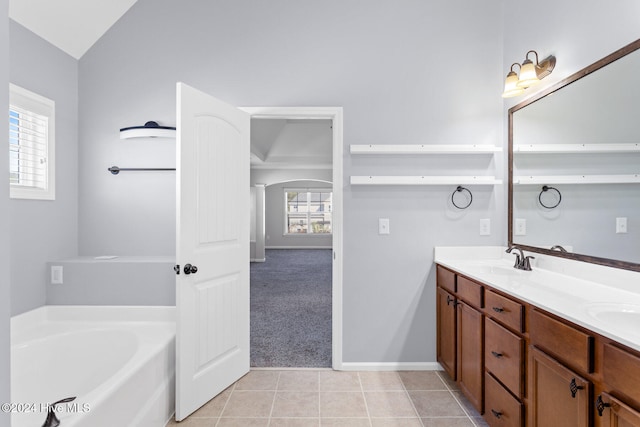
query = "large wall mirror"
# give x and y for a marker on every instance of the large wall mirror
(574, 165)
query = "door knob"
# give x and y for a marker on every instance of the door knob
(188, 269)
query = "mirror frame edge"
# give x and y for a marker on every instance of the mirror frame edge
(626, 265)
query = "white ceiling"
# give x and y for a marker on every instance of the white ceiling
(71, 25)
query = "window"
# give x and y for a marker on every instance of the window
(31, 145)
(308, 212)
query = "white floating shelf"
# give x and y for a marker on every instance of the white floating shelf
(423, 149)
(424, 180)
(577, 179)
(576, 148)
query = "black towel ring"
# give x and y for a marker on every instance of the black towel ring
(547, 188)
(460, 189)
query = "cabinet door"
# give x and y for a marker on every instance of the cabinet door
(470, 354)
(558, 396)
(446, 317)
(615, 413)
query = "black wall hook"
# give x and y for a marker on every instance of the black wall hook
(546, 188)
(460, 189)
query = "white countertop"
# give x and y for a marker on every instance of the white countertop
(603, 299)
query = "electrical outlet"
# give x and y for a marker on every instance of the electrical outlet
(521, 227)
(383, 226)
(485, 227)
(621, 225)
(56, 275)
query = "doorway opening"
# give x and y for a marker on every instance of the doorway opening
(296, 237)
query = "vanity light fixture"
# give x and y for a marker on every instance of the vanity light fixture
(149, 130)
(530, 74)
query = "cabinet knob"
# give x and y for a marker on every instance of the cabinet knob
(496, 414)
(601, 405)
(574, 387)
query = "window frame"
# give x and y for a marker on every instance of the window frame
(286, 212)
(37, 104)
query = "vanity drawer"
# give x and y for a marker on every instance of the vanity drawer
(504, 355)
(504, 310)
(563, 341)
(621, 371)
(470, 291)
(446, 279)
(500, 408)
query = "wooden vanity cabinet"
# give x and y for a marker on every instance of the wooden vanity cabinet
(461, 333)
(521, 366)
(446, 319)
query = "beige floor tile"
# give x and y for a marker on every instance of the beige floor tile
(294, 422)
(479, 422)
(436, 404)
(213, 408)
(258, 380)
(471, 411)
(447, 422)
(243, 422)
(339, 381)
(378, 381)
(344, 422)
(451, 384)
(395, 422)
(296, 404)
(342, 404)
(389, 404)
(422, 380)
(194, 422)
(249, 404)
(299, 381)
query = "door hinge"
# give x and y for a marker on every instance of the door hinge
(176, 268)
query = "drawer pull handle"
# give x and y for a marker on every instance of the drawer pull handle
(450, 300)
(498, 309)
(496, 414)
(601, 405)
(496, 354)
(574, 387)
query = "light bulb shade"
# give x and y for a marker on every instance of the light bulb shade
(149, 130)
(511, 86)
(528, 75)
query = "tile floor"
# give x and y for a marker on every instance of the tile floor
(301, 398)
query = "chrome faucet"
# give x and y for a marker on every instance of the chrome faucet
(522, 262)
(558, 248)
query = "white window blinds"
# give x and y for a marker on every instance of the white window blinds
(31, 145)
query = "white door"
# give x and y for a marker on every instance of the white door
(212, 297)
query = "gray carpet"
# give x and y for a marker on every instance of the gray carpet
(291, 309)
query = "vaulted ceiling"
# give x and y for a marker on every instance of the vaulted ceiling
(71, 25)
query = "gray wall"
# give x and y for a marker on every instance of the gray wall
(45, 230)
(274, 218)
(5, 294)
(398, 69)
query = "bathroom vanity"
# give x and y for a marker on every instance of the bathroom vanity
(555, 346)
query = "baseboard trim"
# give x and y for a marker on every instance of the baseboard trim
(298, 247)
(258, 260)
(400, 366)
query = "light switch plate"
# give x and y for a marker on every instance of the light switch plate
(621, 225)
(485, 227)
(520, 227)
(383, 226)
(56, 275)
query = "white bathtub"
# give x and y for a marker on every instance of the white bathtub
(118, 361)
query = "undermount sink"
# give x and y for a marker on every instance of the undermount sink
(499, 270)
(616, 313)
